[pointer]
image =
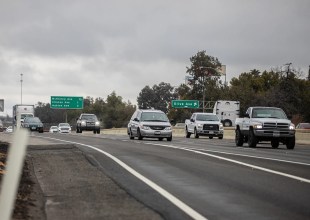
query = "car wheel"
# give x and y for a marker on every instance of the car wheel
(252, 140)
(195, 133)
(239, 138)
(210, 137)
(290, 143)
(160, 139)
(227, 123)
(220, 137)
(98, 131)
(131, 137)
(94, 131)
(140, 137)
(275, 143)
(187, 134)
(169, 138)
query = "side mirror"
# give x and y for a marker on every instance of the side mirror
(246, 115)
(192, 120)
(136, 119)
(171, 121)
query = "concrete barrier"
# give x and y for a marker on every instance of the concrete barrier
(302, 135)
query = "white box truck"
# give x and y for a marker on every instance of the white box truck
(227, 111)
(21, 112)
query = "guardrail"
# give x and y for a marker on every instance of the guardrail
(302, 135)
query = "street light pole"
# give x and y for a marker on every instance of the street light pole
(21, 88)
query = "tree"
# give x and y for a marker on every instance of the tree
(204, 70)
(116, 112)
(158, 97)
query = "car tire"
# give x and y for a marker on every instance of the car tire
(227, 123)
(275, 143)
(210, 137)
(290, 143)
(252, 140)
(140, 137)
(169, 138)
(160, 139)
(196, 135)
(98, 131)
(187, 134)
(94, 131)
(131, 137)
(221, 137)
(239, 138)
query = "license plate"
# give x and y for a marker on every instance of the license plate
(211, 132)
(33, 128)
(276, 134)
(157, 132)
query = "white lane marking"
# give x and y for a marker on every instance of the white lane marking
(245, 155)
(237, 162)
(181, 205)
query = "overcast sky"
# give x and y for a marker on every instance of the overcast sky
(92, 48)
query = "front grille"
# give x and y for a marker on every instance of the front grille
(211, 127)
(273, 125)
(90, 123)
(157, 128)
(64, 129)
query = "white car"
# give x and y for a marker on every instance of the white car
(53, 129)
(64, 128)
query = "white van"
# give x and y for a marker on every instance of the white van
(227, 111)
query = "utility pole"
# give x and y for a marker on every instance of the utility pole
(21, 88)
(288, 69)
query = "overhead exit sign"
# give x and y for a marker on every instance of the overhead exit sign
(67, 102)
(185, 104)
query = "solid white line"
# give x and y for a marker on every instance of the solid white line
(188, 210)
(238, 162)
(245, 155)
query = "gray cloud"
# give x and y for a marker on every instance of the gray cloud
(93, 48)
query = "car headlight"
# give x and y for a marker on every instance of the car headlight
(221, 126)
(145, 127)
(97, 123)
(292, 126)
(168, 128)
(258, 126)
(83, 123)
(199, 125)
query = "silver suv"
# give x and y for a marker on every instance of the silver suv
(149, 124)
(87, 122)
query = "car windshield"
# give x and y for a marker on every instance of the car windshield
(32, 120)
(64, 125)
(268, 113)
(25, 115)
(154, 116)
(89, 117)
(205, 117)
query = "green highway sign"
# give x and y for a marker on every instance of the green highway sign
(185, 104)
(67, 102)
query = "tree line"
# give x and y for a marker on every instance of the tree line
(287, 90)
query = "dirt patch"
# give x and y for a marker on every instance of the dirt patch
(23, 200)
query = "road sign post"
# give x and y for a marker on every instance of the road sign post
(67, 102)
(185, 104)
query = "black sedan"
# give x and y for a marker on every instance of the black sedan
(33, 124)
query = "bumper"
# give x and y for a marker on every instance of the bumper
(89, 128)
(274, 133)
(210, 133)
(156, 134)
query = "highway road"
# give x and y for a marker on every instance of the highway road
(203, 178)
